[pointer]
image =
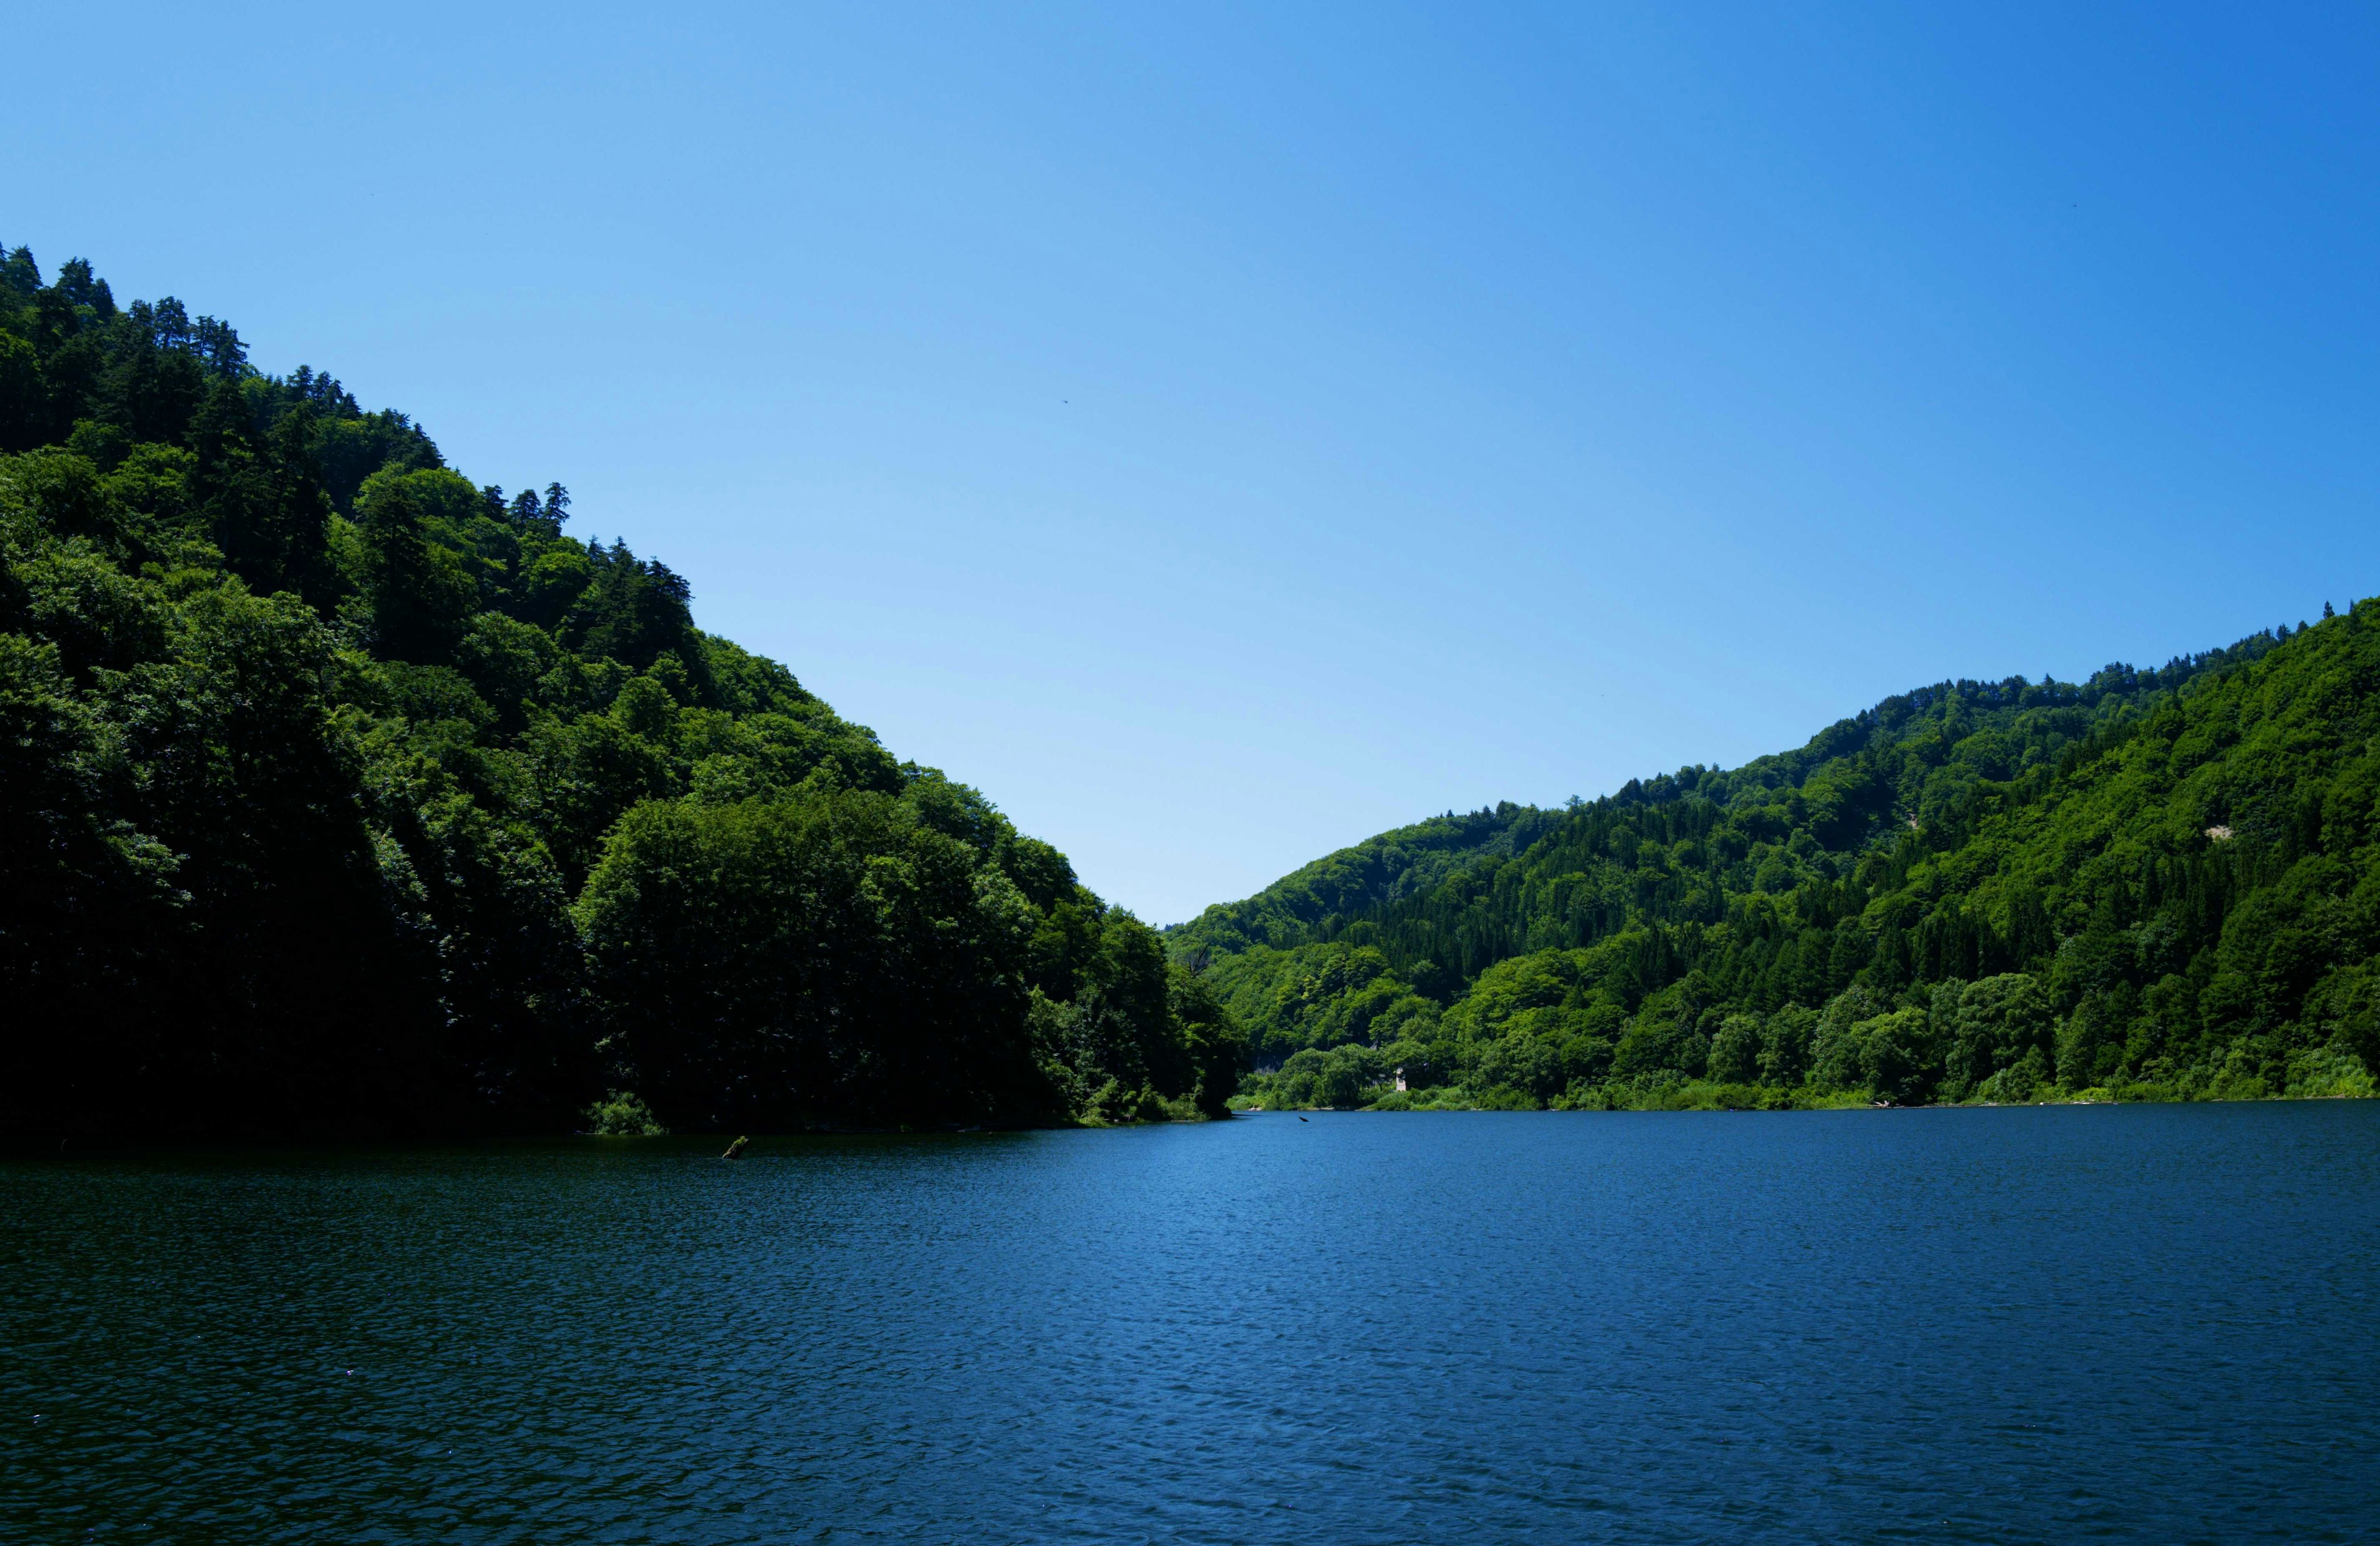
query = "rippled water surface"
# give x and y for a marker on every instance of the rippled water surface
(2145, 1323)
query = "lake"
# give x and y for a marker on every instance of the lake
(2153, 1323)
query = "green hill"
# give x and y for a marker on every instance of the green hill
(2154, 885)
(339, 794)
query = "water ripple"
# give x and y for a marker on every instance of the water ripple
(2145, 1323)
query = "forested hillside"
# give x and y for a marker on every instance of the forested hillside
(340, 793)
(2154, 885)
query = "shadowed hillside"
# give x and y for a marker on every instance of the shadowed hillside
(339, 794)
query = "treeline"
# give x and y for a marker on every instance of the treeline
(339, 794)
(2154, 885)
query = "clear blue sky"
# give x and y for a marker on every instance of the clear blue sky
(1221, 434)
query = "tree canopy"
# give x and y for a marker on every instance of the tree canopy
(343, 794)
(2152, 884)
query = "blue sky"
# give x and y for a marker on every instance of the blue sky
(1221, 434)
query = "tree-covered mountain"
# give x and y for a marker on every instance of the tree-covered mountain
(2154, 885)
(340, 793)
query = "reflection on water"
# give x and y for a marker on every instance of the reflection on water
(2150, 1324)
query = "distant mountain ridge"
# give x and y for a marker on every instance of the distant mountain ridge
(1805, 928)
(1303, 904)
(1370, 874)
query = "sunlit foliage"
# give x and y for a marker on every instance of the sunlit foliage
(2154, 885)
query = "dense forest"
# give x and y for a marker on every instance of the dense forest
(2154, 885)
(343, 794)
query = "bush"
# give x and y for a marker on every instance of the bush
(622, 1114)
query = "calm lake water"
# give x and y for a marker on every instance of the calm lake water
(2155, 1324)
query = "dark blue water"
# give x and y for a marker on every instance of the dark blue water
(2140, 1323)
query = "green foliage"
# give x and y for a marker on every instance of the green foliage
(1316, 996)
(1311, 902)
(767, 962)
(417, 588)
(620, 1114)
(337, 793)
(2154, 885)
